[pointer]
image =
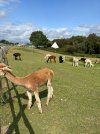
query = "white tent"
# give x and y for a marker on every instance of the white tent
(55, 45)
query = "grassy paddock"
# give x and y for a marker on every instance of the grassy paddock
(74, 109)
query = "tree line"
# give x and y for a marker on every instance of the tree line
(75, 44)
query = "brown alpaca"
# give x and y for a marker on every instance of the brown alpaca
(32, 82)
(50, 58)
(17, 56)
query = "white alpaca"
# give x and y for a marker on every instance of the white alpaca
(75, 61)
(88, 62)
(63, 58)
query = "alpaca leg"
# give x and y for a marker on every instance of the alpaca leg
(19, 58)
(15, 58)
(50, 92)
(55, 60)
(91, 65)
(47, 59)
(73, 63)
(30, 99)
(85, 64)
(38, 101)
(76, 64)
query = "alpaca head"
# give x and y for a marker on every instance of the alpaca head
(2, 65)
(3, 69)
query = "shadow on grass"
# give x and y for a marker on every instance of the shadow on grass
(16, 118)
(42, 94)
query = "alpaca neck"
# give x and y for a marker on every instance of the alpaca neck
(14, 79)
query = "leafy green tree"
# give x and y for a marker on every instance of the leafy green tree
(91, 43)
(5, 42)
(38, 39)
(49, 43)
(71, 49)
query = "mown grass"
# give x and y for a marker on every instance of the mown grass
(74, 109)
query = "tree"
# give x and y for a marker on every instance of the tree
(38, 39)
(91, 43)
(4, 42)
(71, 49)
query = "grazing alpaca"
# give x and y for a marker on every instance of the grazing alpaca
(97, 61)
(47, 56)
(88, 62)
(17, 56)
(82, 59)
(32, 82)
(50, 58)
(75, 61)
(61, 59)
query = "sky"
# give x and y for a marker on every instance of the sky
(55, 18)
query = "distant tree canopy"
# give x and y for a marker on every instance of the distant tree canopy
(5, 42)
(80, 44)
(38, 39)
(75, 44)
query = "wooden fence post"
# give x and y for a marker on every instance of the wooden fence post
(3, 59)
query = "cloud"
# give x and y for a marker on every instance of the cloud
(87, 29)
(6, 2)
(4, 7)
(16, 32)
(22, 32)
(2, 13)
(54, 33)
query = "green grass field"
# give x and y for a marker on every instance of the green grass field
(74, 109)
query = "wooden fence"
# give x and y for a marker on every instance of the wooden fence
(3, 59)
(13, 127)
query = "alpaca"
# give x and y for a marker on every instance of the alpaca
(2, 65)
(32, 82)
(17, 56)
(47, 56)
(82, 59)
(88, 62)
(63, 58)
(50, 58)
(75, 61)
(97, 61)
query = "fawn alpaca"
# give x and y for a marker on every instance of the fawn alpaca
(32, 82)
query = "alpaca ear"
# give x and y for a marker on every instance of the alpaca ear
(2, 65)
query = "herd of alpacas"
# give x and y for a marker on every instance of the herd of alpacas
(33, 81)
(75, 61)
(52, 58)
(87, 62)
